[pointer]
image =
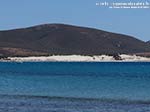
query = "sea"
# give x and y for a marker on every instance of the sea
(75, 87)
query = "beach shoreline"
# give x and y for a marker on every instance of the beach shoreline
(77, 58)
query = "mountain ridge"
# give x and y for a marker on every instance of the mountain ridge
(148, 42)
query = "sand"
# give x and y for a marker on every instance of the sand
(78, 58)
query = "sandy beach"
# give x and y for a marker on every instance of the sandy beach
(78, 58)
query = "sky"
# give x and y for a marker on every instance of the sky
(24, 13)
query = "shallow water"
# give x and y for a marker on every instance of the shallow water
(109, 87)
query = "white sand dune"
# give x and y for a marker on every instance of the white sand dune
(78, 58)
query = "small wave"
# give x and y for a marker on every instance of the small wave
(100, 100)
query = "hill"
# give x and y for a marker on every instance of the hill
(148, 42)
(61, 39)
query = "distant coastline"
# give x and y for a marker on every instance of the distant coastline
(69, 40)
(78, 58)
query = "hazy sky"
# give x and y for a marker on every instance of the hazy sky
(24, 13)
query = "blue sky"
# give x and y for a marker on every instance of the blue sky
(24, 13)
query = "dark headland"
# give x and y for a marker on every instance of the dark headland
(61, 39)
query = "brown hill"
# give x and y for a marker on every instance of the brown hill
(49, 39)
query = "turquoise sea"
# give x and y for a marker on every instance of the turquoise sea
(75, 87)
